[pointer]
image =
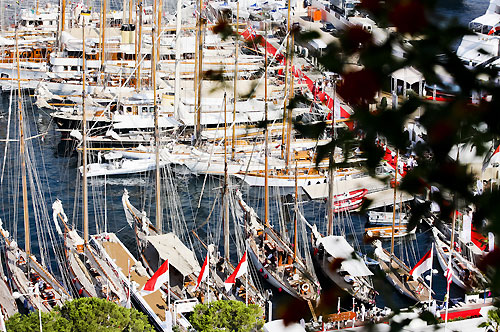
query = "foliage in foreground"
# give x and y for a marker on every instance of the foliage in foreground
(82, 315)
(493, 322)
(228, 316)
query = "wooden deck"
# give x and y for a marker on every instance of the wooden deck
(122, 257)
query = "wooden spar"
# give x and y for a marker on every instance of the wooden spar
(84, 145)
(36, 9)
(196, 59)
(285, 99)
(103, 36)
(63, 14)
(266, 147)
(138, 49)
(394, 206)
(235, 93)
(22, 147)
(157, 131)
(289, 110)
(200, 72)
(130, 5)
(226, 188)
(177, 91)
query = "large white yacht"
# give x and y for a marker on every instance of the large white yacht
(483, 46)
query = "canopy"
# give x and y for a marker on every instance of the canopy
(170, 247)
(338, 247)
(408, 74)
(279, 326)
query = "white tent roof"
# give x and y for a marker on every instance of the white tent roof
(408, 74)
(338, 247)
(279, 326)
(170, 247)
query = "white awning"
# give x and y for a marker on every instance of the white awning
(408, 74)
(338, 247)
(170, 247)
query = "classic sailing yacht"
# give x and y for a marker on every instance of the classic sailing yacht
(396, 271)
(34, 284)
(90, 275)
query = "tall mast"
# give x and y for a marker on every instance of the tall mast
(289, 110)
(177, 92)
(63, 22)
(285, 100)
(226, 188)
(266, 164)
(158, 30)
(84, 143)
(157, 130)
(103, 35)
(200, 71)
(394, 205)
(331, 175)
(130, 5)
(235, 93)
(27, 247)
(138, 48)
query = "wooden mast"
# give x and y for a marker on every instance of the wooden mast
(394, 206)
(177, 91)
(63, 22)
(266, 148)
(157, 130)
(138, 49)
(103, 35)
(285, 99)
(226, 188)
(200, 71)
(289, 110)
(27, 247)
(158, 30)
(130, 5)
(235, 93)
(84, 145)
(331, 174)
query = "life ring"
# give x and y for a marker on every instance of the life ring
(305, 287)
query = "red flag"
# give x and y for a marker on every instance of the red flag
(240, 270)
(160, 277)
(423, 265)
(203, 273)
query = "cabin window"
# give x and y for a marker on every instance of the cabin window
(129, 109)
(152, 109)
(3, 75)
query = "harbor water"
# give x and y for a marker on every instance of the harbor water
(53, 174)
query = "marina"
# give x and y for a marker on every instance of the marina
(201, 149)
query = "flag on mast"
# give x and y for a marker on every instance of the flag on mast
(240, 270)
(203, 273)
(160, 277)
(423, 265)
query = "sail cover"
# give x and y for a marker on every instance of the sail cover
(338, 247)
(170, 247)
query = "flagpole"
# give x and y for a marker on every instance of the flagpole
(449, 276)
(430, 282)
(168, 286)
(129, 286)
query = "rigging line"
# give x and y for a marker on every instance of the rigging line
(8, 133)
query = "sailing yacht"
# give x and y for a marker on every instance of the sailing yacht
(33, 282)
(396, 271)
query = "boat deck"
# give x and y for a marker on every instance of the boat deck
(122, 257)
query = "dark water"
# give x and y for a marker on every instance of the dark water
(53, 174)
